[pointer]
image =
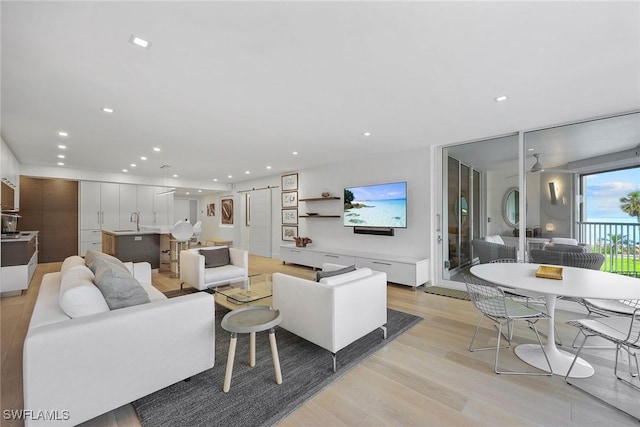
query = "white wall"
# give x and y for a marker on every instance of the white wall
(412, 167)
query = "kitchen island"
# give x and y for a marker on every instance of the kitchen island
(19, 261)
(133, 245)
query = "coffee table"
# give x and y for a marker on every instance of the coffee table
(256, 290)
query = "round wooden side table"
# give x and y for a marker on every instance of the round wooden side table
(250, 320)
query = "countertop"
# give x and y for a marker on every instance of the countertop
(144, 229)
(130, 232)
(25, 236)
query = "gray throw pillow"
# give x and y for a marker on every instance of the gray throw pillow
(215, 257)
(322, 274)
(118, 286)
(91, 257)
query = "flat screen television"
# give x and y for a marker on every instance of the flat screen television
(381, 205)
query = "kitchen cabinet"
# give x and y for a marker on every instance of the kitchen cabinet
(19, 261)
(108, 206)
(10, 169)
(145, 198)
(128, 205)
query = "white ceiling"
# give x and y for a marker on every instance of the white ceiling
(229, 87)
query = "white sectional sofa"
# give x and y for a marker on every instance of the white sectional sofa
(334, 312)
(81, 367)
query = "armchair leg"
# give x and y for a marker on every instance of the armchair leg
(333, 356)
(384, 332)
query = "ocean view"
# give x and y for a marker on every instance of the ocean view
(377, 213)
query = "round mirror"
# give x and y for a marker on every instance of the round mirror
(511, 207)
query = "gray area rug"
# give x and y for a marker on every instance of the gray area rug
(255, 399)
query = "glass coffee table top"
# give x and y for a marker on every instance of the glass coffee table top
(255, 290)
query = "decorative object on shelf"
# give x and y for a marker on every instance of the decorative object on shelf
(312, 213)
(326, 194)
(302, 242)
(290, 182)
(289, 216)
(289, 232)
(227, 211)
(290, 199)
(211, 209)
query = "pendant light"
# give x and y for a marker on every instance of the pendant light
(165, 171)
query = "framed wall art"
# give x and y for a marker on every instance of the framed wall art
(290, 182)
(289, 216)
(289, 232)
(211, 209)
(290, 199)
(226, 208)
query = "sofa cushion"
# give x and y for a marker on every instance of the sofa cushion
(322, 274)
(564, 241)
(494, 239)
(71, 262)
(557, 247)
(78, 295)
(215, 257)
(226, 272)
(118, 286)
(346, 277)
(91, 257)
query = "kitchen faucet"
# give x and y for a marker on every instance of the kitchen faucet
(137, 215)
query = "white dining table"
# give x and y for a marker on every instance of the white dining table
(575, 282)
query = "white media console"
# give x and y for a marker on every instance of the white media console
(400, 269)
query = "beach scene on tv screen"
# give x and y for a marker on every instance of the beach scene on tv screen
(383, 205)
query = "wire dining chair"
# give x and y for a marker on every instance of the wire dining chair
(492, 303)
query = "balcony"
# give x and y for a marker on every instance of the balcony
(618, 242)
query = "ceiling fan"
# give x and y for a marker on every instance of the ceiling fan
(538, 167)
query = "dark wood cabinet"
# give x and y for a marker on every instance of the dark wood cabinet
(51, 207)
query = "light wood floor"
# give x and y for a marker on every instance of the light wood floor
(425, 377)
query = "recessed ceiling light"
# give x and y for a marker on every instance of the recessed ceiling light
(500, 98)
(530, 149)
(367, 134)
(133, 165)
(247, 172)
(175, 175)
(199, 191)
(229, 176)
(143, 158)
(62, 147)
(125, 170)
(156, 149)
(61, 156)
(295, 153)
(268, 167)
(60, 164)
(63, 133)
(215, 179)
(107, 110)
(139, 41)
(187, 193)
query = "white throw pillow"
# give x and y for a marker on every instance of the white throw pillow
(346, 277)
(564, 241)
(71, 262)
(494, 239)
(78, 295)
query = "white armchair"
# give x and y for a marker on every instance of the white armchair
(335, 313)
(194, 273)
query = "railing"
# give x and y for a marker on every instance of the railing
(618, 242)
